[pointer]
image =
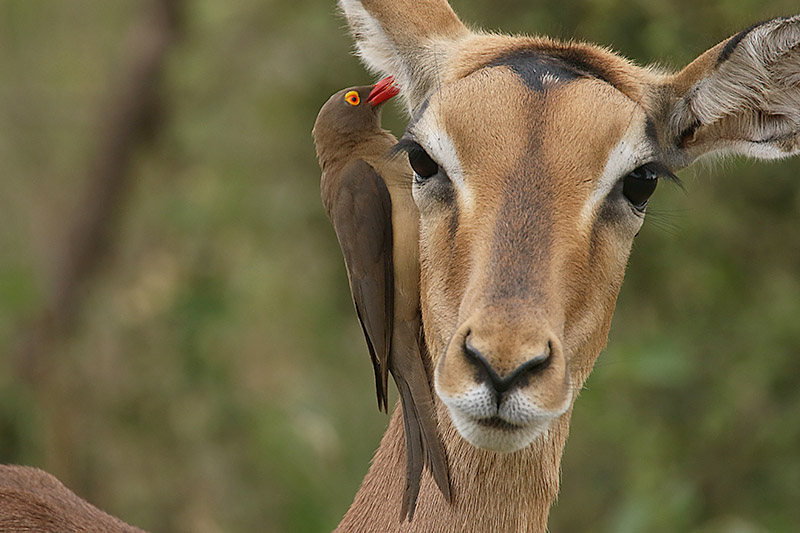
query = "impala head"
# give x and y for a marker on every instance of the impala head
(534, 162)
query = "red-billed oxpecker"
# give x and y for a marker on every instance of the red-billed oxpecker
(366, 192)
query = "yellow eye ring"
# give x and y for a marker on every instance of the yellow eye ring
(352, 98)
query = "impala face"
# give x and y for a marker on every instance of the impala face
(525, 231)
(534, 163)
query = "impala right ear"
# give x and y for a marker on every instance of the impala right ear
(407, 39)
(740, 97)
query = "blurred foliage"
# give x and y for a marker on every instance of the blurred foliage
(216, 379)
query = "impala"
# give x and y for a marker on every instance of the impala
(534, 162)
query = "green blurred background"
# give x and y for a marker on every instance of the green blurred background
(211, 375)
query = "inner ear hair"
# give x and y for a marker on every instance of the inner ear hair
(742, 96)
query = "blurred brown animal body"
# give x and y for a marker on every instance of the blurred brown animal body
(367, 195)
(33, 500)
(534, 161)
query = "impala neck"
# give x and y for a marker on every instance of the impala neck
(491, 491)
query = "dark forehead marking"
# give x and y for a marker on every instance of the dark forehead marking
(533, 66)
(563, 64)
(584, 62)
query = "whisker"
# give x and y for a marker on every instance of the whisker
(666, 220)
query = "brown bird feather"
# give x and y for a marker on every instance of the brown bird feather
(366, 192)
(360, 209)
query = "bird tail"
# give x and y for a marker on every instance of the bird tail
(423, 444)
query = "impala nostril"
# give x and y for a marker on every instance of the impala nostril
(539, 362)
(485, 371)
(517, 377)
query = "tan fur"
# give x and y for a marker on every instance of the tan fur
(33, 500)
(523, 246)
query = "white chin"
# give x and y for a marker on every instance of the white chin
(496, 435)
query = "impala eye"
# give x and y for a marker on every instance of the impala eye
(639, 185)
(424, 166)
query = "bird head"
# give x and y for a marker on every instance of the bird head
(354, 111)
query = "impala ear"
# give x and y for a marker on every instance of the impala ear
(742, 96)
(407, 39)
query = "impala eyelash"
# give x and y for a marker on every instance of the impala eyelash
(662, 171)
(405, 145)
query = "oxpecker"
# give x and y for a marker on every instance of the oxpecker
(366, 191)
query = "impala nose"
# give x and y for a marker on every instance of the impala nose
(504, 378)
(501, 380)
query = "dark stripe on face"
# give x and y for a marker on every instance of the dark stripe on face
(533, 67)
(417, 114)
(523, 228)
(522, 242)
(650, 130)
(453, 222)
(736, 39)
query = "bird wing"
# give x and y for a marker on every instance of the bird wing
(360, 208)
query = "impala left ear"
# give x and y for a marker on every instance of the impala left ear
(742, 97)
(407, 39)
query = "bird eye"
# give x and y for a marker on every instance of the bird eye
(352, 98)
(424, 166)
(639, 185)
